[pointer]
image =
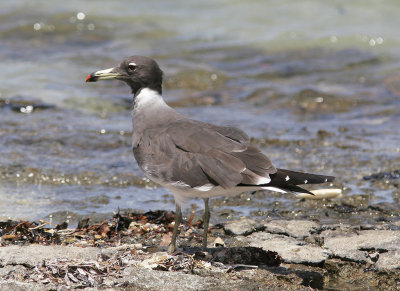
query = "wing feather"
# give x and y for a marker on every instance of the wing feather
(198, 153)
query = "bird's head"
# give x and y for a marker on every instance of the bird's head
(137, 71)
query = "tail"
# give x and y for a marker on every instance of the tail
(289, 180)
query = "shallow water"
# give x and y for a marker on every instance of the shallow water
(315, 83)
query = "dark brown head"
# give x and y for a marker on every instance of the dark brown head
(137, 71)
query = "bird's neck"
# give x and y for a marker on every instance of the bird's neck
(138, 87)
(150, 109)
(147, 99)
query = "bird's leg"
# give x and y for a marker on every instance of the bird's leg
(206, 220)
(178, 219)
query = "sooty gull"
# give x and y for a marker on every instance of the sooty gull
(193, 158)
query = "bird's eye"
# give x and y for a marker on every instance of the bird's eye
(132, 66)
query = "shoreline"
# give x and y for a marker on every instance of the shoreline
(129, 251)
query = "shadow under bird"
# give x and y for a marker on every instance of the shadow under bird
(193, 158)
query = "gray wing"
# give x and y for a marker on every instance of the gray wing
(198, 153)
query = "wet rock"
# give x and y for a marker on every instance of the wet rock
(294, 228)
(345, 275)
(340, 227)
(391, 175)
(243, 226)
(355, 246)
(345, 208)
(385, 208)
(312, 278)
(246, 256)
(24, 106)
(322, 134)
(262, 96)
(392, 83)
(312, 101)
(201, 80)
(290, 249)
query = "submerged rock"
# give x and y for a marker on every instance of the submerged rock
(390, 175)
(24, 106)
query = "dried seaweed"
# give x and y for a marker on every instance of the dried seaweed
(119, 229)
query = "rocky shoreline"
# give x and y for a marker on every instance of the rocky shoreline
(129, 252)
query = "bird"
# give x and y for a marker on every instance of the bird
(192, 158)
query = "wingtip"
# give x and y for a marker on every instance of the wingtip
(329, 178)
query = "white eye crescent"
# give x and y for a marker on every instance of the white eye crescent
(132, 66)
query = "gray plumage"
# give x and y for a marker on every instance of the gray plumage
(198, 153)
(193, 158)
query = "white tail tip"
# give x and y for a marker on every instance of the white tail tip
(322, 194)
